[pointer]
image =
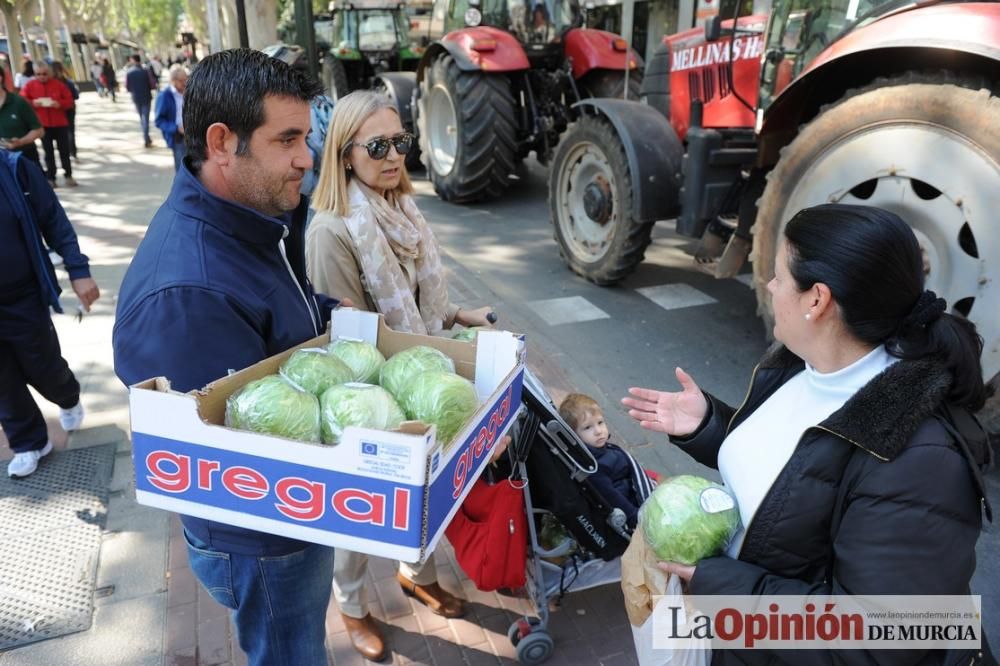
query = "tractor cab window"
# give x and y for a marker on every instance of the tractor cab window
(543, 21)
(371, 29)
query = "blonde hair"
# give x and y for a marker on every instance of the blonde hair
(349, 113)
(576, 406)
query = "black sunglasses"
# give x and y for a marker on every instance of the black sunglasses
(378, 148)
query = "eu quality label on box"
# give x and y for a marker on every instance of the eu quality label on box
(279, 490)
(386, 460)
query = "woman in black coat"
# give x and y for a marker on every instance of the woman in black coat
(854, 458)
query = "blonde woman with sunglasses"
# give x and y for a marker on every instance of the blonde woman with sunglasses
(369, 243)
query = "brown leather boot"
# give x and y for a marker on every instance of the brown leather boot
(435, 597)
(365, 636)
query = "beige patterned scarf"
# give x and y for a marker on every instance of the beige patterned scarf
(399, 234)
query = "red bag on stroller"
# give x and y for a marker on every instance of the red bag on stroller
(490, 535)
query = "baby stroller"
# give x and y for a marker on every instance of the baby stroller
(553, 465)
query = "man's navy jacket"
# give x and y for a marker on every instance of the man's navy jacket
(30, 212)
(208, 291)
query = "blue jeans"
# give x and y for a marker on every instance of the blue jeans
(278, 603)
(179, 151)
(143, 110)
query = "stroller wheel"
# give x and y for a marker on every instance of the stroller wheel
(535, 648)
(520, 628)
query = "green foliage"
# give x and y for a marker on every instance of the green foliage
(152, 23)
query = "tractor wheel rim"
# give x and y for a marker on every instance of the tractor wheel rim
(941, 184)
(442, 129)
(586, 188)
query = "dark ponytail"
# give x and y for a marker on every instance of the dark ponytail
(872, 263)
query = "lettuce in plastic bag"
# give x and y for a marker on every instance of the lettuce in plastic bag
(362, 405)
(271, 405)
(407, 364)
(442, 398)
(688, 518)
(316, 370)
(362, 357)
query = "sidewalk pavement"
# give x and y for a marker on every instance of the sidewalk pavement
(148, 607)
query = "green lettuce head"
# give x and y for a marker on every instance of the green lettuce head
(407, 364)
(362, 357)
(316, 370)
(468, 334)
(441, 398)
(272, 406)
(688, 518)
(362, 405)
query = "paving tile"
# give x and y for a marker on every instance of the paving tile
(675, 296)
(394, 602)
(429, 621)
(181, 635)
(177, 553)
(213, 641)
(183, 658)
(479, 655)
(342, 653)
(476, 596)
(443, 648)
(567, 310)
(209, 608)
(182, 588)
(620, 660)
(468, 630)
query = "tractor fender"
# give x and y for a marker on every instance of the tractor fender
(506, 56)
(399, 88)
(962, 38)
(594, 49)
(653, 151)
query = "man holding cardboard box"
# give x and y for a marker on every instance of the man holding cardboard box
(219, 283)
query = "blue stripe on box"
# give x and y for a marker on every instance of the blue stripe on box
(288, 492)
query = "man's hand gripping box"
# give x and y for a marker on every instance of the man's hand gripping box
(378, 492)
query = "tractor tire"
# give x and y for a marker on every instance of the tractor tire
(335, 78)
(590, 202)
(611, 83)
(465, 122)
(922, 145)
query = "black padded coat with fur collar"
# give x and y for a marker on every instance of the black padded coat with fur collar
(877, 499)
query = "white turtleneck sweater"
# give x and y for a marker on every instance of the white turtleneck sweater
(753, 454)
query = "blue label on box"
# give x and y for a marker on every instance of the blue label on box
(288, 492)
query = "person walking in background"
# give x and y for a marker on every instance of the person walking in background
(51, 99)
(138, 84)
(59, 74)
(110, 79)
(31, 219)
(26, 74)
(96, 70)
(170, 113)
(19, 124)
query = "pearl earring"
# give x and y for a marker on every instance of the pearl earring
(808, 316)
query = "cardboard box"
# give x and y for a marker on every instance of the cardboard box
(377, 492)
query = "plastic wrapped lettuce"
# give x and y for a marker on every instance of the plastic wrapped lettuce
(688, 518)
(271, 405)
(362, 405)
(442, 398)
(468, 334)
(316, 370)
(362, 357)
(407, 364)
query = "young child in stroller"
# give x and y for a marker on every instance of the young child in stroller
(619, 478)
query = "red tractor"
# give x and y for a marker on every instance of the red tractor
(501, 83)
(891, 104)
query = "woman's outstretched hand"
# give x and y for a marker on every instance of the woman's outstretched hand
(677, 414)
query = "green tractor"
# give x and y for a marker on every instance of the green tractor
(360, 39)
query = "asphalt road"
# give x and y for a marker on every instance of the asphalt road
(503, 253)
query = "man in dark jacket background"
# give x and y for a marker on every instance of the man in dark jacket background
(32, 220)
(139, 83)
(219, 283)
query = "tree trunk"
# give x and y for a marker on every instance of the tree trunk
(13, 35)
(230, 28)
(262, 23)
(48, 24)
(81, 65)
